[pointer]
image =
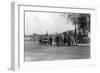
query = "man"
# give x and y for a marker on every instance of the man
(50, 40)
(57, 39)
(80, 37)
(70, 40)
(65, 40)
(40, 40)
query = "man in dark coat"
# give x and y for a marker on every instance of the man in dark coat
(57, 39)
(50, 40)
(65, 40)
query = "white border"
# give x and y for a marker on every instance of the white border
(18, 35)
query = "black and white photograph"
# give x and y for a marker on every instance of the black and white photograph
(50, 36)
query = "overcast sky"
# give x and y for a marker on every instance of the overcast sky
(41, 22)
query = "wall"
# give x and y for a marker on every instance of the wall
(5, 34)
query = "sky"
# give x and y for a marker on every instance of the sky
(41, 22)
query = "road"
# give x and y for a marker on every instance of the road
(36, 52)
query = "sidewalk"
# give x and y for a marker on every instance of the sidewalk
(84, 44)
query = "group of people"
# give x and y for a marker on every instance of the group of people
(62, 40)
(59, 40)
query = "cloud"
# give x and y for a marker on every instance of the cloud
(40, 22)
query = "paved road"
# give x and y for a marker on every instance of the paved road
(36, 52)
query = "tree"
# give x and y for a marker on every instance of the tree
(74, 18)
(81, 21)
(84, 22)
